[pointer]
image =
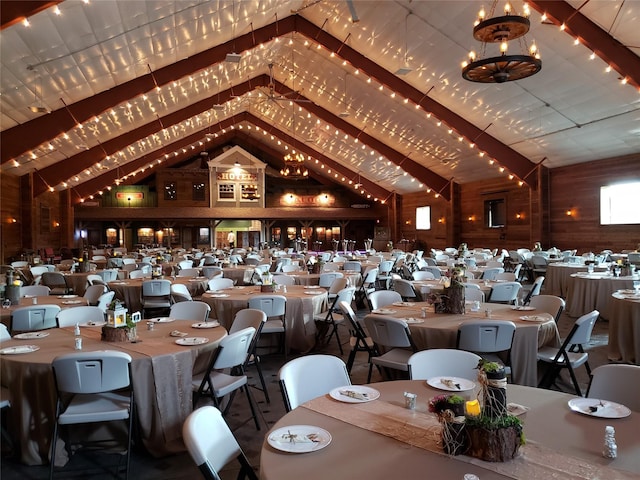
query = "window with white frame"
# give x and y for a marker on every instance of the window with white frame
(619, 204)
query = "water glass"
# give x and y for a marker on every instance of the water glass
(590, 268)
(636, 286)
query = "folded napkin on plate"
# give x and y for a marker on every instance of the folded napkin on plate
(298, 438)
(177, 333)
(354, 394)
(516, 409)
(20, 349)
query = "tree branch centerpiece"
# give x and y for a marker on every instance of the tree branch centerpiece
(494, 435)
(449, 409)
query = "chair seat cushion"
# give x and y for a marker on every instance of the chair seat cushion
(102, 407)
(396, 358)
(547, 354)
(273, 326)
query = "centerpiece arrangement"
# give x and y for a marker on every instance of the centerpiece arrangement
(484, 429)
(120, 326)
(451, 300)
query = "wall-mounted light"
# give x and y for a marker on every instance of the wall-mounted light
(569, 212)
(441, 220)
(13, 220)
(472, 218)
(56, 224)
(407, 222)
(520, 216)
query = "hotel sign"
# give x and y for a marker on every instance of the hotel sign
(236, 177)
(307, 201)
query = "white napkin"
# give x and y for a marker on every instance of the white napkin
(298, 438)
(177, 333)
(20, 349)
(354, 394)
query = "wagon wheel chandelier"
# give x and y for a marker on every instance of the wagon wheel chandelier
(500, 30)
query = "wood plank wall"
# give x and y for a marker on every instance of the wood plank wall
(542, 214)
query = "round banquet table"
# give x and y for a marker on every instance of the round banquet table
(306, 279)
(130, 290)
(441, 331)
(424, 287)
(558, 276)
(161, 377)
(592, 291)
(624, 328)
(368, 440)
(302, 304)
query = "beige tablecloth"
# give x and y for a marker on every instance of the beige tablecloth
(558, 277)
(63, 301)
(588, 292)
(301, 307)
(560, 443)
(624, 328)
(161, 374)
(441, 330)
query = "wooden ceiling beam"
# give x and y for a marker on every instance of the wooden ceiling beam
(16, 11)
(618, 56)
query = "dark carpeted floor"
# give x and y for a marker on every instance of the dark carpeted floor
(145, 467)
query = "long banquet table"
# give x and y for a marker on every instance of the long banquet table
(382, 439)
(624, 328)
(440, 331)
(161, 377)
(302, 304)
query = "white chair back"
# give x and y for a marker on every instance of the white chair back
(70, 316)
(311, 376)
(447, 362)
(35, 317)
(382, 298)
(219, 283)
(548, 303)
(616, 383)
(506, 292)
(196, 311)
(35, 291)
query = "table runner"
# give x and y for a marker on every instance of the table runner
(420, 429)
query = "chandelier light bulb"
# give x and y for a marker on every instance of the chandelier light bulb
(507, 8)
(472, 56)
(481, 15)
(503, 47)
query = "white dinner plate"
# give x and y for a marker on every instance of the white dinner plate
(67, 296)
(161, 320)
(72, 302)
(218, 295)
(402, 304)
(313, 292)
(299, 438)
(452, 386)
(312, 286)
(93, 324)
(178, 333)
(31, 335)
(522, 308)
(534, 318)
(18, 350)
(354, 394)
(598, 408)
(211, 324)
(383, 311)
(412, 320)
(191, 341)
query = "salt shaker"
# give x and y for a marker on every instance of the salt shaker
(424, 312)
(76, 331)
(610, 449)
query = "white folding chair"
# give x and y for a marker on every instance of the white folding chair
(250, 317)
(219, 283)
(71, 316)
(56, 282)
(35, 291)
(230, 357)
(188, 272)
(394, 337)
(570, 354)
(382, 298)
(535, 289)
(616, 383)
(196, 311)
(548, 303)
(311, 376)
(490, 273)
(422, 275)
(332, 317)
(136, 274)
(506, 276)
(156, 294)
(105, 300)
(211, 444)
(338, 284)
(506, 292)
(491, 339)
(33, 318)
(180, 293)
(405, 289)
(275, 308)
(211, 271)
(327, 278)
(93, 387)
(448, 362)
(92, 294)
(4, 333)
(359, 341)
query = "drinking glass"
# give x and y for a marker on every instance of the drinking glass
(636, 286)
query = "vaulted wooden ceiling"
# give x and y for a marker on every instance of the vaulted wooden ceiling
(92, 92)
